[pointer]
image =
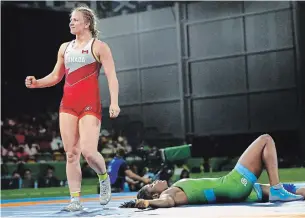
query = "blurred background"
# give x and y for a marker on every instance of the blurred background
(212, 74)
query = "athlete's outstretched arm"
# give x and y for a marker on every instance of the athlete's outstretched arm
(164, 202)
(106, 59)
(54, 77)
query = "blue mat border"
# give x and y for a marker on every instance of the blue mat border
(122, 194)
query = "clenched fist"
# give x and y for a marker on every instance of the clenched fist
(114, 110)
(30, 82)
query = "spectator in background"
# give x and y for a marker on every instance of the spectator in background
(9, 181)
(122, 141)
(10, 151)
(132, 185)
(32, 134)
(28, 181)
(31, 148)
(20, 137)
(4, 150)
(45, 144)
(118, 169)
(49, 180)
(41, 130)
(135, 169)
(21, 154)
(14, 182)
(56, 143)
(108, 149)
(127, 147)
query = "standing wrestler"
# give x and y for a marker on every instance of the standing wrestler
(80, 109)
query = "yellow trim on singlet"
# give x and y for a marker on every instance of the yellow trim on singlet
(94, 55)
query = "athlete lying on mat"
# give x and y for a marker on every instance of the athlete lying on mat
(238, 186)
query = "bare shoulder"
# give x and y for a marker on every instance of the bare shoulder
(101, 46)
(176, 194)
(63, 47)
(172, 191)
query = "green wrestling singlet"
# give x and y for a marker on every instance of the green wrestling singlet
(234, 187)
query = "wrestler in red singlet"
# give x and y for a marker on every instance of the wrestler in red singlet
(81, 90)
(81, 99)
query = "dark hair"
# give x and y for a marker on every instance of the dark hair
(144, 194)
(120, 152)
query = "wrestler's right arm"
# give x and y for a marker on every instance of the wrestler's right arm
(54, 77)
(164, 202)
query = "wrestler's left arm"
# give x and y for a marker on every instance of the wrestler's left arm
(105, 57)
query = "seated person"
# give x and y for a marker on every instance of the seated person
(49, 180)
(28, 181)
(118, 169)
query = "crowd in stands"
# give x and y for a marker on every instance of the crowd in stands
(28, 139)
(23, 178)
(37, 139)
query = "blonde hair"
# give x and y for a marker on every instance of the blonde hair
(89, 17)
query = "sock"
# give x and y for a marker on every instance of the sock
(290, 187)
(75, 196)
(278, 186)
(102, 177)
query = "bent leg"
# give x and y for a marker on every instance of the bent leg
(89, 129)
(262, 151)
